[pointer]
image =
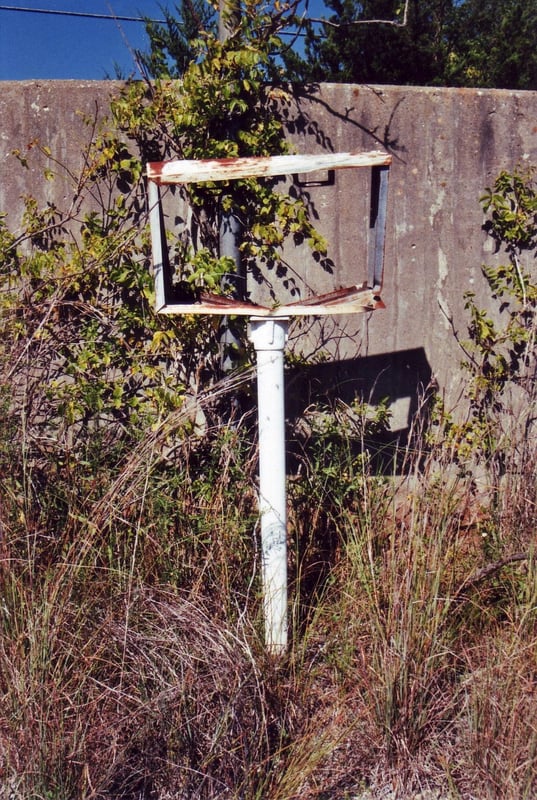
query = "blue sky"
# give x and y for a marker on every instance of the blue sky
(47, 46)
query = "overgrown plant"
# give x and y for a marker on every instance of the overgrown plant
(229, 102)
(500, 353)
(81, 342)
(332, 450)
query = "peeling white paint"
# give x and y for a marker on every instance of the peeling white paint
(437, 205)
(447, 314)
(402, 227)
(443, 272)
(443, 269)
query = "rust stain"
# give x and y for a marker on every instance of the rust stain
(350, 300)
(219, 169)
(355, 299)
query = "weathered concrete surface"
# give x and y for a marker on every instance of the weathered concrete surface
(447, 146)
(58, 115)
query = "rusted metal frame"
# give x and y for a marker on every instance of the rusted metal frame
(269, 337)
(356, 299)
(377, 225)
(222, 169)
(161, 270)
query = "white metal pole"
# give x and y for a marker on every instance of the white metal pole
(269, 337)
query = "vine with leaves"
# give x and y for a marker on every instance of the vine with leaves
(227, 103)
(500, 352)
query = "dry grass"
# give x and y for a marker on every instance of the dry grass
(131, 664)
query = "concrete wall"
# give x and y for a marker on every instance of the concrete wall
(447, 146)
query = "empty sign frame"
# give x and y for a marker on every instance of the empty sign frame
(360, 297)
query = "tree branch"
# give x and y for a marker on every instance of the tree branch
(394, 22)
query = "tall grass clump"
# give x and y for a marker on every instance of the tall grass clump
(147, 560)
(421, 651)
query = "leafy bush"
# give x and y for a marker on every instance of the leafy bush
(500, 353)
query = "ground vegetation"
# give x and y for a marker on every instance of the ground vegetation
(132, 664)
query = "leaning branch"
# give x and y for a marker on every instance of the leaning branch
(394, 22)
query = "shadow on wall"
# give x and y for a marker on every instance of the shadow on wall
(325, 445)
(401, 379)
